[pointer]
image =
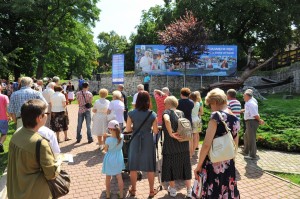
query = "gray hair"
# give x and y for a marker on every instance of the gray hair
(165, 90)
(117, 94)
(55, 79)
(51, 85)
(26, 81)
(140, 86)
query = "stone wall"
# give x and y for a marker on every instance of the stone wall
(175, 83)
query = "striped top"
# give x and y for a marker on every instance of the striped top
(235, 106)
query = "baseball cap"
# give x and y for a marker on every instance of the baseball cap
(113, 124)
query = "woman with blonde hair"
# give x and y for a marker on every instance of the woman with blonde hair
(117, 107)
(219, 178)
(99, 119)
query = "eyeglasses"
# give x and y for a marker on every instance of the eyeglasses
(47, 113)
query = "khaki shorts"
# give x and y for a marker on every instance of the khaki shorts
(197, 126)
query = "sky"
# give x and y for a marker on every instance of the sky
(121, 15)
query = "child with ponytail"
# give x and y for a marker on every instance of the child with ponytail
(113, 162)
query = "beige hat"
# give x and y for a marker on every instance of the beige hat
(249, 92)
(113, 124)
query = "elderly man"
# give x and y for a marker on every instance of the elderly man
(140, 88)
(19, 97)
(124, 97)
(233, 104)
(160, 96)
(252, 120)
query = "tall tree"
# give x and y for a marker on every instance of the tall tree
(186, 39)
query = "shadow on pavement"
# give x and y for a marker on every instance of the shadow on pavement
(253, 171)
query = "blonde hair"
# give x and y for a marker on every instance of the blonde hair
(199, 99)
(171, 100)
(140, 86)
(216, 95)
(117, 94)
(103, 93)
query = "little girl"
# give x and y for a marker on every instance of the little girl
(113, 162)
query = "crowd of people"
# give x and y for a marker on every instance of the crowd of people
(41, 113)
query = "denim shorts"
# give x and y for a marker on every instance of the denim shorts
(3, 127)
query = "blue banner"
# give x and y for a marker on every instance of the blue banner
(218, 60)
(118, 69)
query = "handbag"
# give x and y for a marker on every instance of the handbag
(60, 186)
(184, 129)
(223, 147)
(87, 105)
(197, 187)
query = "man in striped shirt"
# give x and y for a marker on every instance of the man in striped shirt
(233, 104)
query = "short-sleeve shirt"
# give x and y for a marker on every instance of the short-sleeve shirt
(117, 106)
(47, 93)
(186, 106)
(4, 101)
(56, 101)
(50, 135)
(251, 110)
(160, 106)
(147, 79)
(82, 101)
(235, 107)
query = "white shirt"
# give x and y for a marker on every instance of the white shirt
(145, 63)
(117, 106)
(47, 93)
(56, 101)
(51, 136)
(134, 98)
(251, 110)
(101, 105)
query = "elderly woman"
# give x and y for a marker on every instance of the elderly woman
(100, 123)
(59, 118)
(176, 163)
(141, 155)
(219, 178)
(117, 107)
(26, 178)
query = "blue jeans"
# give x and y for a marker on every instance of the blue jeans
(81, 116)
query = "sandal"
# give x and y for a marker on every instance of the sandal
(132, 192)
(67, 139)
(153, 193)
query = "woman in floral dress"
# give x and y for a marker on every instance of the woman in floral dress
(219, 179)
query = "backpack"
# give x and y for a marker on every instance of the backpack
(184, 129)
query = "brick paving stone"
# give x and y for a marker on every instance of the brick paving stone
(87, 181)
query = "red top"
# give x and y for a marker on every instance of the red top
(81, 101)
(160, 106)
(4, 101)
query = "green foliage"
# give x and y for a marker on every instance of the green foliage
(295, 178)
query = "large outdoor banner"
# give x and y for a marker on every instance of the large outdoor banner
(118, 68)
(219, 60)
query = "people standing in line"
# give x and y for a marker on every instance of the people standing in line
(176, 164)
(252, 120)
(146, 82)
(40, 85)
(47, 93)
(56, 80)
(80, 83)
(113, 162)
(4, 102)
(160, 96)
(201, 112)
(26, 178)
(219, 178)
(70, 91)
(117, 107)
(141, 154)
(233, 104)
(185, 104)
(140, 88)
(124, 99)
(99, 127)
(196, 123)
(50, 135)
(59, 116)
(84, 96)
(18, 98)
(64, 91)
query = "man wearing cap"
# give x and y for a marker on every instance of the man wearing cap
(124, 96)
(252, 120)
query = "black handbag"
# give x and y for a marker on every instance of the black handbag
(87, 105)
(60, 186)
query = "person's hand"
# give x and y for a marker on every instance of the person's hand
(243, 110)
(176, 136)
(197, 170)
(261, 122)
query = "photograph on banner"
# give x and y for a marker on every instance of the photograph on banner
(219, 60)
(118, 69)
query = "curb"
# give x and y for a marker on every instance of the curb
(280, 178)
(3, 190)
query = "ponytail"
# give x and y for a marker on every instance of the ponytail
(118, 133)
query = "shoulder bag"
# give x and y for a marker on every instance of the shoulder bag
(59, 186)
(87, 105)
(223, 147)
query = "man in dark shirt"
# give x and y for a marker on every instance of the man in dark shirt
(124, 95)
(185, 104)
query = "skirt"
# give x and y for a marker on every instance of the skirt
(70, 95)
(59, 121)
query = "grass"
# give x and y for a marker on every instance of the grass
(295, 178)
(4, 155)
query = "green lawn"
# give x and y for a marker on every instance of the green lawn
(4, 156)
(295, 178)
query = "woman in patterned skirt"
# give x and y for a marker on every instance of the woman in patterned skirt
(176, 163)
(219, 179)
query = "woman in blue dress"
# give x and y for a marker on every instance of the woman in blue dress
(113, 162)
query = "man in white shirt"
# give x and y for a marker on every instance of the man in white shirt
(140, 88)
(252, 120)
(47, 93)
(50, 135)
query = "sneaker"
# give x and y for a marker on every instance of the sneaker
(189, 193)
(1, 148)
(90, 141)
(78, 141)
(172, 191)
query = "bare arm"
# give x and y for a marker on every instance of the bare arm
(155, 126)
(128, 125)
(166, 118)
(201, 110)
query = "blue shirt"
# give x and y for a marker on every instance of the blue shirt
(18, 98)
(80, 82)
(147, 79)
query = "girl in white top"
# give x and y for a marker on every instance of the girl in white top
(117, 107)
(197, 111)
(99, 127)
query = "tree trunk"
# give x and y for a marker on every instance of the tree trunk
(17, 73)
